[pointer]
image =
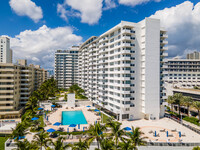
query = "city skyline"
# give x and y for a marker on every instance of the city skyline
(59, 25)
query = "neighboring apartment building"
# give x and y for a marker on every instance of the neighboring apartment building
(17, 82)
(194, 55)
(5, 51)
(121, 70)
(66, 67)
(181, 73)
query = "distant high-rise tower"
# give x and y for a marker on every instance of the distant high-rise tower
(6, 52)
(194, 55)
(66, 67)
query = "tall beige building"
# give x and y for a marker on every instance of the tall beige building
(194, 55)
(17, 82)
(5, 51)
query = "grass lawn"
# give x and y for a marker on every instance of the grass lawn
(105, 117)
(2, 141)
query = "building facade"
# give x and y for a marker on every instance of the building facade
(181, 73)
(121, 70)
(17, 82)
(194, 55)
(66, 67)
(6, 52)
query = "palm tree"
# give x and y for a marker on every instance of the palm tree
(187, 100)
(19, 131)
(126, 145)
(42, 139)
(116, 130)
(81, 145)
(136, 137)
(177, 100)
(95, 132)
(58, 145)
(32, 103)
(106, 143)
(196, 105)
(171, 101)
(26, 145)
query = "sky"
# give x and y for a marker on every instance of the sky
(37, 28)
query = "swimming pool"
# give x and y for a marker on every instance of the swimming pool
(73, 117)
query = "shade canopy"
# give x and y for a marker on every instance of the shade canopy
(35, 118)
(127, 128)
(72, 125)
(40, 108)
(53, 105)
(51, 130)
(88, 106)
(96, 110)
(57, 124)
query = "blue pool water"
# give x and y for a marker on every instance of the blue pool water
(73, 117)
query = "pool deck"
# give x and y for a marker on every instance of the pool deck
(57, 115)
(148, 127)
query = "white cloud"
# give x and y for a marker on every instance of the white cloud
(183, 25)
(109, 4)
(39, 46)
(27, 8)
(135, 2)
(89, 11)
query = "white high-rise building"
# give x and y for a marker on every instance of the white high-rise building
(121, 70)
(66, 67)
(6, 52)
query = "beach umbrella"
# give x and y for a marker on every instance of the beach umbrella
(155, 133)
(179, 134)
(51, 130)
(78, 126)
(72, 125)
(53, 106)
(127, 128)
(40, 108)
(68, 130)
(57, 124)
(35, 118)
(88, 106)
(167, 133)
(96, 110)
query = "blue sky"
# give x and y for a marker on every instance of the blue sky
(31, 23)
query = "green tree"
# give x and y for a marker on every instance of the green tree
(196, 148)
(19, 131)
(95, 132)
(178, 97)
(126, 145)
(81, 145)
(59, 144)
(196, 105)
(26, 145)
(171, 101)
(106, 143)
(116, 131)
(187, 100)
(136, 137)
(42, 139)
